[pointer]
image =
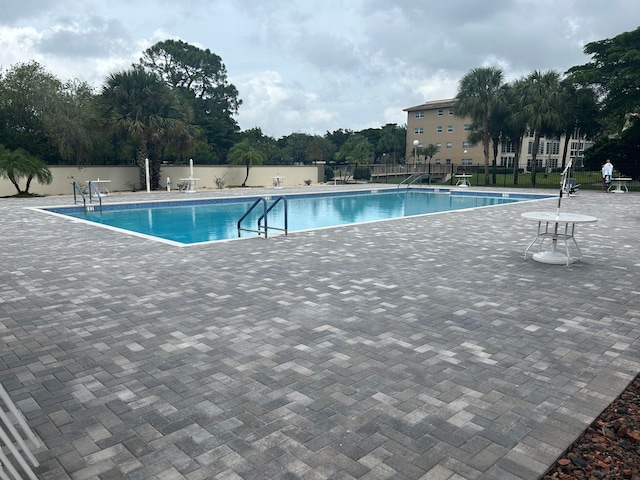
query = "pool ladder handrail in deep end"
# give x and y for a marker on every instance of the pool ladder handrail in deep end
(264, 230)
(415, 177)
(92, 187)
(78, 190)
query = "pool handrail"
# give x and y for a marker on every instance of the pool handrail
(416, 177)
(286, 217)
(249, 210)
(92, 187)
(76, 188)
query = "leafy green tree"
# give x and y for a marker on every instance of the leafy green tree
(339, 137)
(248, 153)
(373, 135)
(623, 150)
(45, 117)
(268, 145)
(580, 116)
(320, 149)
(139, 107)
(542, 108)
(614, 75)
(295, 147)
(391, 141)
(200, 77)
(75, 133)
(18, 164)
(356, 149)
(477, 96)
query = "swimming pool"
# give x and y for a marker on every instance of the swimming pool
(207, 220)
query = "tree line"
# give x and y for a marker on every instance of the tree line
(599, 100)
(177, 103)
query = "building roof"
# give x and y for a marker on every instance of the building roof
(450, 102)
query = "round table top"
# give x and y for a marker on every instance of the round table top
(621, 179)
(562, 217)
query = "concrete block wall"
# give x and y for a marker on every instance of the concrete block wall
(122, 177)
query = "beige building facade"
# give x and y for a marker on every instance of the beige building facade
(435, 123)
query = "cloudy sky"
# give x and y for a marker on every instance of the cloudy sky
(314, 66)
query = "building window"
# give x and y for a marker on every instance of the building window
(538, 163)
(508, 148)
(438, 161)
(439, 145)
(449, 145)
(451, 111)
(439, 129)
(540, 148)
(418, 130)
(440, 112)
(449, 128)
(420, 114)
(467, 162)
(466, 144)
(448, 161)
(467, 127)
(506, 161)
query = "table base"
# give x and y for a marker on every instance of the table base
(553, 258)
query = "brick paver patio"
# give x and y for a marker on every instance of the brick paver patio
(418, 348)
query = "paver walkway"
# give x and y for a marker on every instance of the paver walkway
(423, 347)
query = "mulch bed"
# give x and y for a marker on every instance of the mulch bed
(610, 447)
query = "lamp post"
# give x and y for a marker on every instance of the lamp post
(415, 153)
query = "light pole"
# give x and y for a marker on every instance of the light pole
(415, 153)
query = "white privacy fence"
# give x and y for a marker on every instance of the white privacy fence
(15, 435)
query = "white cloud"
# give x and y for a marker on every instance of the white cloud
(317, 65)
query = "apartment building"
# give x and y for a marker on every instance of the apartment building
(436, 123)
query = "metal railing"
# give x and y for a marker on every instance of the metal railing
(286, 217)
(411, 179)
(77, 190)
(92, 188)
(264, 230)
(500, 177)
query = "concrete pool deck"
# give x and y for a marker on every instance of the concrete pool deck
(422, 347)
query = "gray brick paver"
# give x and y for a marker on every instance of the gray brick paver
(416, 348)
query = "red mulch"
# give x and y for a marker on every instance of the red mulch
(610, 447)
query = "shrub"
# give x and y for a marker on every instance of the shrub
(328, 173)
(362, 173)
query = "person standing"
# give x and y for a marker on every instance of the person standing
(607, 172)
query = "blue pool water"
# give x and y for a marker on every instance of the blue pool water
(189, 222)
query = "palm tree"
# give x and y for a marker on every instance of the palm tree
(515, 126)
(246, 152)
(17, 164)
(543, 101)
(138, 106)
(477, 95)
(429, 151)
